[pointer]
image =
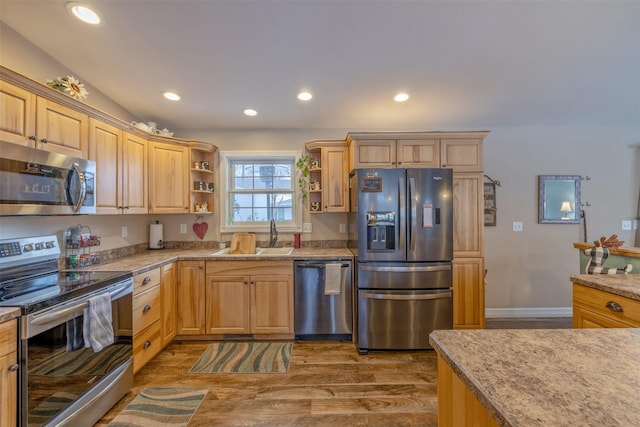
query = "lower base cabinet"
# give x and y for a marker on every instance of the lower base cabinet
(593, 308)
(146, 318)
(468, 293)
(236, 297)
(8, 373)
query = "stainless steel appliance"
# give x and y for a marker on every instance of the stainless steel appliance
(404, 227)
(38, 182)
(60, 381)
(319, 312)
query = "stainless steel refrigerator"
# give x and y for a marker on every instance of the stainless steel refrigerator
(403, 220)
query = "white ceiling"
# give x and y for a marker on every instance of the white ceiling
(466, 64)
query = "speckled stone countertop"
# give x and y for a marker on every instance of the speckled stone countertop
(551, 377)
(8, 313)
(625, 285)
(148, 260)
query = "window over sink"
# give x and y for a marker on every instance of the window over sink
(258, 187)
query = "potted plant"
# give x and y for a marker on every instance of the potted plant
(303, 164)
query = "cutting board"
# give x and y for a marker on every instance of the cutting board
(243, 243)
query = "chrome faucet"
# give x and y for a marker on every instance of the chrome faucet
(273, 234)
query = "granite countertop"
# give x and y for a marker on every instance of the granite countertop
(8, 313)
(551, 377)
(148, 260)
(624, 285)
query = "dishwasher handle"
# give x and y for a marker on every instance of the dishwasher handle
(318, 265)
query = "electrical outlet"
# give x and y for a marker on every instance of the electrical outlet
(517, 226)
(125, 231)
(343, 228)
(307, 227)
(626, 225)
(183, 228)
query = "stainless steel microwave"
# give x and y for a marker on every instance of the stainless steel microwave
(38, 182)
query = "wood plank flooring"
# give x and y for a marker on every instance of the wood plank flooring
(328, 384)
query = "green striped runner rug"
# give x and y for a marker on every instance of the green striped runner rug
(169, 407)
(244, 357)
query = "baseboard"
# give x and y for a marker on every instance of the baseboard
(529, 312)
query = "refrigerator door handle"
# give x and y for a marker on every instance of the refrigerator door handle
(407, 269)
(406, 297)
(414, 214)
(402, 191)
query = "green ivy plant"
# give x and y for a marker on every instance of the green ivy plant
(303, 164)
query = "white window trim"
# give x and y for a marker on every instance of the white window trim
(225, 157)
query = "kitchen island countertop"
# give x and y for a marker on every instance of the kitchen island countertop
(624, 285)
(561, 377)
(150, 259)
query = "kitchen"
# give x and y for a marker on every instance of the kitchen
(540, 148)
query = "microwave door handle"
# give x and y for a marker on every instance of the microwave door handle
(83, 188)
(414, 214)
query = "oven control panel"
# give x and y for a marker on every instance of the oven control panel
(25, 250)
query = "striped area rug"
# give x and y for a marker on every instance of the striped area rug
(82, 362)
(169, 407)
(244, 357)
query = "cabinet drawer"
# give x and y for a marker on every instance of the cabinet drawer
(605, 303)
(8, 337)
(146, 309)
(146, 345)
(147, 280)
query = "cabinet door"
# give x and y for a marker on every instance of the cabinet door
(418, 153)
(335, 192)
(468, 293)
(374, 153)
(61, 129)
(464, 154)
(168, 298)
(228, 305)
(135, 193)
(468, 215)
(191, 302)
(18, 118)
(272, 304)
(168, 178)
(8, 373)
(105, 148)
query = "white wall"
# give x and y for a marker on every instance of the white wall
(526, 271)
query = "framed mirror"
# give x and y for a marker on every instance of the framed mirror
(559, 199)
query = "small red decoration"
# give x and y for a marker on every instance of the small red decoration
(200, 228)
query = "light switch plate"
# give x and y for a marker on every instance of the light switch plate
(517, 226)
(307, 227)
(125, 231)
(183, 228)
(343, 228)
(626, 225)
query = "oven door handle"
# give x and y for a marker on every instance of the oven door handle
(49, 317)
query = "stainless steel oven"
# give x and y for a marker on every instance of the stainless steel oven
(62, 381)
(38, 182)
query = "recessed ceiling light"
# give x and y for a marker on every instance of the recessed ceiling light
(171, 96)
(250, 112)
(83, 13)
(401, 97)
(304, 96)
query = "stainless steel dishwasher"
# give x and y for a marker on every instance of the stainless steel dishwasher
(322, 313)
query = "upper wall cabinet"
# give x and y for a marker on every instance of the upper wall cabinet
(329, 176)
(461, 151)
(18, 119)
(168, 178)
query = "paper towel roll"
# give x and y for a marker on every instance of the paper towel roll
(155, 236)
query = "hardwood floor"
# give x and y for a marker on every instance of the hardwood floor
(328, 384)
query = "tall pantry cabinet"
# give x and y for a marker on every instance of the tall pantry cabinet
(462, 152)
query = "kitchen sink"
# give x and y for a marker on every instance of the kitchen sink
(259, 252)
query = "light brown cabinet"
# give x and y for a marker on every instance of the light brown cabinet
(331, 175)
(191, 298)
(9, 373)
(168, 178)
(593, 308)
(38, 122)
(147, 341)
(468, 215)
(168, 301)
(121, 164)
(249, 297)
(468, 293)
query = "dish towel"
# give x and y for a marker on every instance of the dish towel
(332, 278)
(97, 327)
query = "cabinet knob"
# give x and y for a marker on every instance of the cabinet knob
(146, 308)
(33, 137)
(44, 140)
(146, 345)
(146, 280)
(13, 367)
(614, 306)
